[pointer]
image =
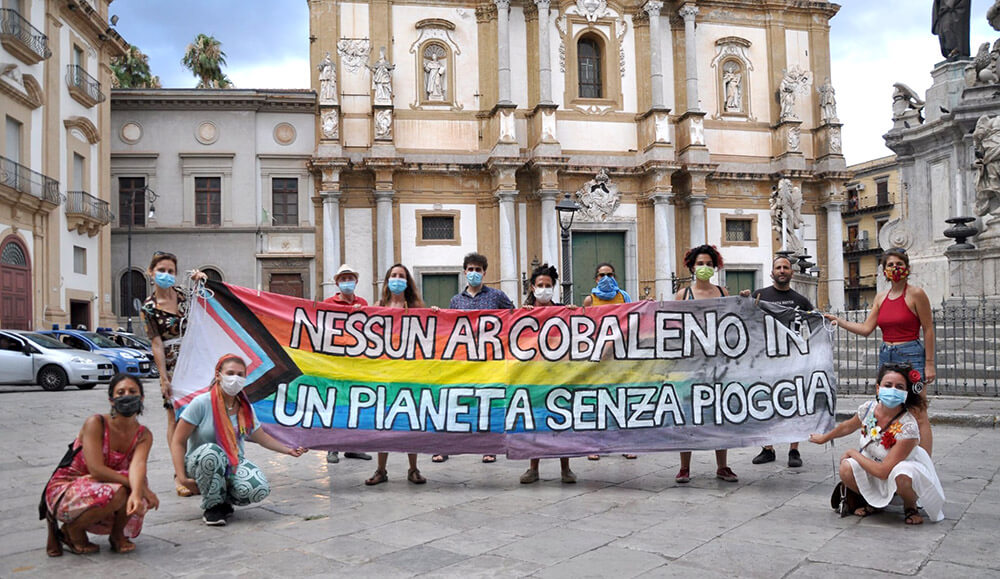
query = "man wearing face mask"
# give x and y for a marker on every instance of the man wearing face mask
(347, 282)
(477, 296)
(781, 293)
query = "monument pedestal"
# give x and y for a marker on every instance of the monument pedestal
(806, 285)
(974, 273)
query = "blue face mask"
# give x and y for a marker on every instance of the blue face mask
(164, 280)
(347, 287)
(474, 278)
(890, 397)
(607, 284)
(397, 285)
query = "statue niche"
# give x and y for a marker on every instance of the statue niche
(434, 65)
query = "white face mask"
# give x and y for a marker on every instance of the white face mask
(543, 294)
(232, 384)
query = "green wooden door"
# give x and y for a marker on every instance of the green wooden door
(737, 281)
(439, 288)
(591, 248)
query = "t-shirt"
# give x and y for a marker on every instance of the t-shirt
(338, 298)
(199, 413)
(788, 298)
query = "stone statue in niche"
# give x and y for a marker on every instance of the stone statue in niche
(786, 214)
(330, 123)
(382, 78)
(383, 124)
(950, 23)
(732, 83)
(986, 140)
(327, 81)
(828, 103)
(599, 198)
(435, 76)
(794, 139)
(835, 140)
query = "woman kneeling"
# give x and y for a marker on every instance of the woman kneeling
(212, 428)
(890, 460)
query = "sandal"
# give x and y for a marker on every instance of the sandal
(413, 475)
(125, 546)
(182, 491)
(631, 456)
(911, 516)
(439, 458)
(86, 549)
(378, 478)
(489, 458)
(593, 457)
(864, 511)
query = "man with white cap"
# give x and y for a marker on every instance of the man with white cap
(347, 281)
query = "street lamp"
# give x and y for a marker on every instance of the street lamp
(146, 191)
(567, 209)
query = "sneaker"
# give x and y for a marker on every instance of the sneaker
(683, 476)
(529, 476)
(794, 458)
(226, 509)
(766, 455)
(568, 477)
(361, 455)
(214, 517)
(332, 457)
(726, 474)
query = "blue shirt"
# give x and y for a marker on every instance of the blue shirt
(487, 299)
(199, 413)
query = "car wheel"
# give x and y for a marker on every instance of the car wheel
(86, 386)
(52, 378)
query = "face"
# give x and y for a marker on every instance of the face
(233, 368)
(605, 271)
(893, 380)
(165, 266)
(474, 267)
(781, 272)
(543, 281)
(704, 259)
(399, 273)
(894, 261)
(127, 387)
(346, 277)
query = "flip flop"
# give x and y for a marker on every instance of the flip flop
(489, 458)
(439, 458)
(125, 547)
(87, 549)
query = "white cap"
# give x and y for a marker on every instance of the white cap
(344, 269)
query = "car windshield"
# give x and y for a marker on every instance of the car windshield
(135, 342)
(100, 340)
(45, 341)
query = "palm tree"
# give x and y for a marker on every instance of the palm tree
(205, 59)
(132, 70)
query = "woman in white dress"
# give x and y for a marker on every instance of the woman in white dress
(890, 460)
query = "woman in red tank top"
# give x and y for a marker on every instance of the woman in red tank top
(900, 313)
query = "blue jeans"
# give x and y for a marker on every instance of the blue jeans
(911, 353)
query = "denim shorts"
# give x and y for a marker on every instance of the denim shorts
(911, 353)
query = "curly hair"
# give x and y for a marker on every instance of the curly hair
(544, 269)
(710, 250)
(913, 397)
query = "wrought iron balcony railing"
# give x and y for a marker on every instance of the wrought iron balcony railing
(17, 33)
(84, 204)
(85, 85)
(24, 180)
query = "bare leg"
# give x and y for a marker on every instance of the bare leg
(412, 457)
(904, 488)
(685, 460)
(720, 458)
(119, 542)
(383, 458)
(563, 464)
(533, 463)
(793, 446)
(76, 531)
(847, 475)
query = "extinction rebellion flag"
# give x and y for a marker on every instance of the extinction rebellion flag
(545, 382)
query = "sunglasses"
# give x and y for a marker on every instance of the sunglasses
(600, 275)
(166, 254)
(901, 367)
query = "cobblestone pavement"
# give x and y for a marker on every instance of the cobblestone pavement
(625, 518)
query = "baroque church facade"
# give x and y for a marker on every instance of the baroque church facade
(446, 127)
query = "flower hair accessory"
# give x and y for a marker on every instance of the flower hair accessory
(915, 376)
(918, 387)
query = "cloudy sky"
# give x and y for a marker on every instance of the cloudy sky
(874, 43)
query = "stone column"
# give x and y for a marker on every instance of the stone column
(550, 227)
(508, 244)
(653, 8)
(384, 245)
(544, 53)
(503, 50)
(835, 255)
(331, 239)
(696, 206)
(688, 13)
(664, 226)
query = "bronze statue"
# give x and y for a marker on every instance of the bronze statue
(950, 22)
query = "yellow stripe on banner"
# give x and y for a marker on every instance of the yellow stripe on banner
(449, 372)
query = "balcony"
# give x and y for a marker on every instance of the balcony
(82, 87)
(861, 204)
(861, 283)
(86, 213)
(23, 186)
(22, 39)
(861, 246)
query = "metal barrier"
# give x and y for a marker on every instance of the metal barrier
(967, 358)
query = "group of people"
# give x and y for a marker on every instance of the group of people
(101, 487)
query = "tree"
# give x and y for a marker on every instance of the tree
(132, 70)
(205, 59)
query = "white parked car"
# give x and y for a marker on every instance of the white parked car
(32, 358)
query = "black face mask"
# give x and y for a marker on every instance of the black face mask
(128, 405)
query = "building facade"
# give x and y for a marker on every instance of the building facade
(54, 244)
(450, 127)
(873, 200)
(221, 179)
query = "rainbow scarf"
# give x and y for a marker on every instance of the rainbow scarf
(225, 435)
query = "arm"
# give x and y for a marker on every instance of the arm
(864, 328)
(679, 296)
(588, 301)
(178, 448)
(923, 304)
(852, 424)
(159, 356)
(137, 477)
(93, 438)
(881, 470)
(267, 441)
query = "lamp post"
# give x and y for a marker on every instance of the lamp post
(566, 208)
(129, 306)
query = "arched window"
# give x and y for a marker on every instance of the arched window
(126, 302)
(588, 56)
(212, 273)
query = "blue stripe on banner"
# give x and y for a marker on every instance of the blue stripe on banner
(266, 363)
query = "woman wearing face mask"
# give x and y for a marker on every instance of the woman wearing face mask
(901, 312)
(702, 262)
(163, 313)
(207, 447)
(890, 461)
(398, 291)
(103, 490)
(541, 294)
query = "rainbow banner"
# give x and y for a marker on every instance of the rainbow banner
(545, 382)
